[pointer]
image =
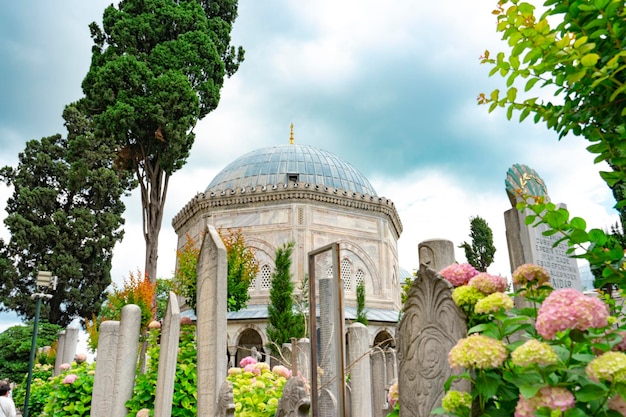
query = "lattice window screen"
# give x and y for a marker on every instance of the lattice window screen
(346, 269)
(266, 277)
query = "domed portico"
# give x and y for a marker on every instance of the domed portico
(310, 196)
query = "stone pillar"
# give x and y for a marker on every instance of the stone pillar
(304, 358)
(431, 325)
(211, 320)
(168, 355)
(104, 379)
(379, 382)
(436, 253)
(126, 361)
(392, 370)
(232, 352)
(360, 373)
(59, 358)
(69, 347)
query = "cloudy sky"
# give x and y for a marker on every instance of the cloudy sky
(389, 86)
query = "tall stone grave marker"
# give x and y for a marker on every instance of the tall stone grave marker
(360, 370)
(526, 243)
(211, 321)
(104, 379)
(168, 355)
(431, 325)
(126, 358)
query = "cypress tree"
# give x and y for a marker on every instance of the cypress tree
(283, 323)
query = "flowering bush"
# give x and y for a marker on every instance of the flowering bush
(39, 389)
(256, 389)
(558, 357)
(69, 393)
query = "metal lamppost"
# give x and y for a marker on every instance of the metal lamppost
(45, 280)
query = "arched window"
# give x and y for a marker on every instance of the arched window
(359, 277)
(346, 269)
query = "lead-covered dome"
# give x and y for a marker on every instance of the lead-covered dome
(291, 163)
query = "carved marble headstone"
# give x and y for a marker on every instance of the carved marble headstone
(360, 373)
(430, 327)
(211, 320)
(58, 361)
(104, 379)
(436, 253)
(379, 380)
(168, 356)
(526, 243)
(294, 402)
(126, 359)
(69, 346)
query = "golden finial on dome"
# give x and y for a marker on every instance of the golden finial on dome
(291, 135)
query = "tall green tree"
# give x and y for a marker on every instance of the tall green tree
(361, 312)
(242, 268)
(283, 322)
(480, 252)
(16, 342)
(65, 216)
(575, 48)
(157, 68)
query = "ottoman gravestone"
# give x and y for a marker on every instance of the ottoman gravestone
(526, 243)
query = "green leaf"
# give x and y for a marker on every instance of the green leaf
(589, 60)
(591, 392)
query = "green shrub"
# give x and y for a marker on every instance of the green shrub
(70, 392)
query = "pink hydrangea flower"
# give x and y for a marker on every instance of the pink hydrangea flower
(477, 351)
(488, 283)
(65, 366)
(607, 367)
(247, 361)
(555, 398)
(69, 379)
(185, 320)
(530, 274)
(154, 324)
(618, 404)
(282, 371)
(570, 309)
(251, 367)
(80, 357)
(458, 274)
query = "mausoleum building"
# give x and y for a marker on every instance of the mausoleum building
(304, 194)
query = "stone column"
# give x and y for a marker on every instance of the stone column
(360, 372)
(379, 384)
(69, 347)
(104, 379)
(126, 361)
(211, 320)
(304, 357)
(168, 355)
(59, 358)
